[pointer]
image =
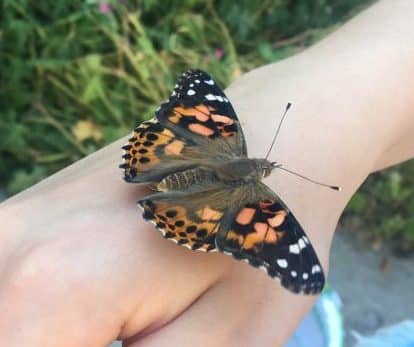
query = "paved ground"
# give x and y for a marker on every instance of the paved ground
(372, 298)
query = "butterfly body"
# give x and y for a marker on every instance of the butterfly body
(210, 193)
(234, 173)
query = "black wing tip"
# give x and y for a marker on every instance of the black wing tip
(193, 73)
(311, 287)
(184, 78)
(297, 285)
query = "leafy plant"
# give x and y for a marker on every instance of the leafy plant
(108, 64)
(384, 207)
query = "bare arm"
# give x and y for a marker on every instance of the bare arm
(80, 267)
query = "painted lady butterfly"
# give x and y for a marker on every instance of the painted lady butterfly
(210, 193)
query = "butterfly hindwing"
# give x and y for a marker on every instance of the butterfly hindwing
(189, 218)
(266, 234)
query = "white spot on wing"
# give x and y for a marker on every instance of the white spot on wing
(191, 84)
(294, 249)
(305, 276)
(293, 273)
(197, 81)
(301, 244)
(282, 263)
(191, 92)
(216, 97)
(210, 82)
(316, 269)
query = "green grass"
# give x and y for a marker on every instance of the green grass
(74, 78)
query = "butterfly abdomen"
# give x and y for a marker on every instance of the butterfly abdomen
(185, 179)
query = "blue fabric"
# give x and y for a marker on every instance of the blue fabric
(399, 335)
(323, 326)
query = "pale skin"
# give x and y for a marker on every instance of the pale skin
(79, 266)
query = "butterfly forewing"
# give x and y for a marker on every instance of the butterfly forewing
(267, 235)
(199, 106)
(197, 122)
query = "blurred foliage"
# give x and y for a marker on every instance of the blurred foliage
(384, 206)
(76, 75)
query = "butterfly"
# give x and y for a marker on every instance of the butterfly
(210, 195)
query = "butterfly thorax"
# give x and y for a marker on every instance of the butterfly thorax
(243, 170)
(235, 172)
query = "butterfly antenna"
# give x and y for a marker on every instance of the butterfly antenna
(279, 166)
(278, 129)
